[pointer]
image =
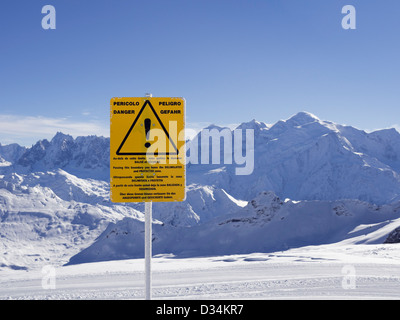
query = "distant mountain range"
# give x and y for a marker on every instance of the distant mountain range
(313, 182)
(304, 158)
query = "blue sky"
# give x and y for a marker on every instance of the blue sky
(233, 61)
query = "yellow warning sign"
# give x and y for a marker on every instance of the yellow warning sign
(147, 149)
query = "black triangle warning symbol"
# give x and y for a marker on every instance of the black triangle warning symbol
(135, 141)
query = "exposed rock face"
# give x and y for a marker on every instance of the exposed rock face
(394, 236)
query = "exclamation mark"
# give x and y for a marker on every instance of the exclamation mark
(147, 125)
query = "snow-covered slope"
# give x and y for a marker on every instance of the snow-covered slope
(38, 226)
(265, 224)
(203, 203)
(54, 197)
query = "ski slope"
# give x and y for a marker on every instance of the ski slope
(314, 272)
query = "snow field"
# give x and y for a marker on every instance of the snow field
(315, 272)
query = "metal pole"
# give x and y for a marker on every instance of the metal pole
(147, 248)
(148, 235)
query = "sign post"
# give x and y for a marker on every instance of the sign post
(147, 157)
(148, 217)
(147, 247)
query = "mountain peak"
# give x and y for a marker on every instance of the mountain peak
(303, 117)
(61, 137)
(214, 126)
(253, 124)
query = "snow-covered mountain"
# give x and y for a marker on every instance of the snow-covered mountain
(343, 183)
(85, 157)
(304, 158)
(266, 224)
